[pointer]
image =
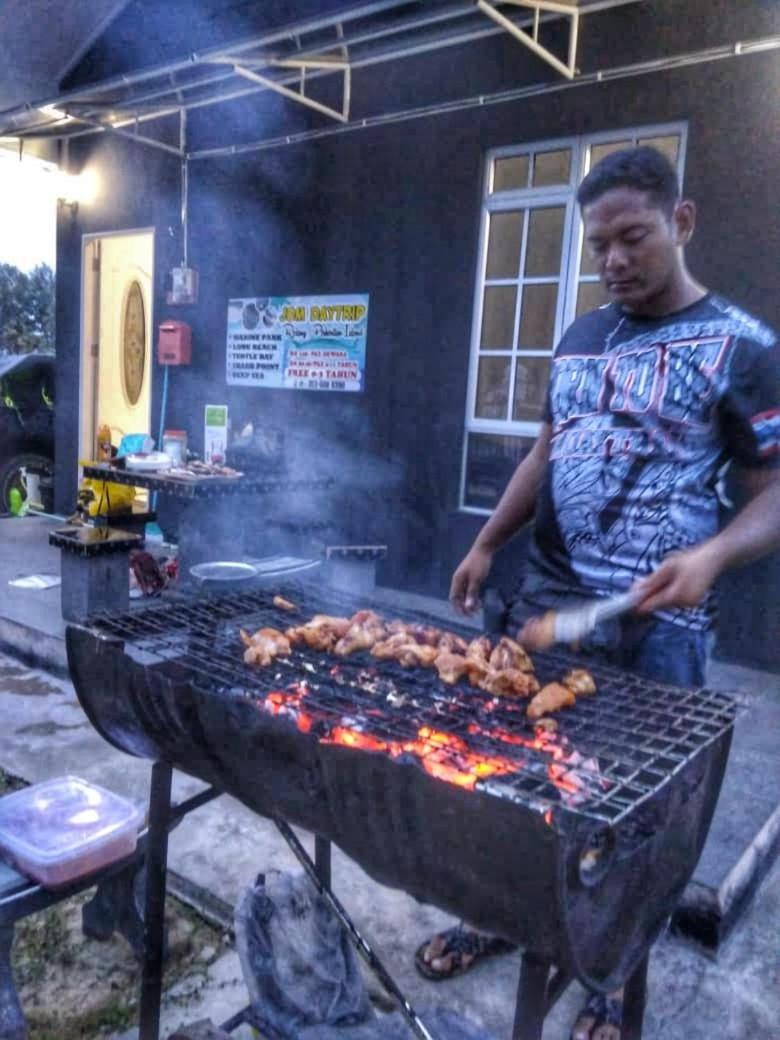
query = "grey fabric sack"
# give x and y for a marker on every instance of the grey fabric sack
(296, 959)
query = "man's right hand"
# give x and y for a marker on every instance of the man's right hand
(469, 578)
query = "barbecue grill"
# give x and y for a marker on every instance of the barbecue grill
(574, 843)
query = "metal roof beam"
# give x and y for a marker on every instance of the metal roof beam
(295, 95)
(312, 62)
(264, 40)
(567, 69)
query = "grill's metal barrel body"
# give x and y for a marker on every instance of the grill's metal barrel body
(495, 862)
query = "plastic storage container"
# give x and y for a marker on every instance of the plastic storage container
(66, 828)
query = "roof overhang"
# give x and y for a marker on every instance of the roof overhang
(289, 61)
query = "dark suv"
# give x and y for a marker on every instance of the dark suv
(26, 424)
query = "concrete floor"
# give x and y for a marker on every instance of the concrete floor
(220, 848)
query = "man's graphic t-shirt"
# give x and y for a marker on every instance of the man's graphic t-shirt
(644, 414)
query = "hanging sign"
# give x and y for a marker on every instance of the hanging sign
(297, 342)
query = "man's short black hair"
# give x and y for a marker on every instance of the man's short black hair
(643, 168)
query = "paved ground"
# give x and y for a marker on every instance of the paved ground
(223, 846)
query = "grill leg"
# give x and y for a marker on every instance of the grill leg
(154, 915)
(634, 999)
(12, 1021)
(322, 859)
(531, 1005)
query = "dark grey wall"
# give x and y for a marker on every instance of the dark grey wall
(394, 212)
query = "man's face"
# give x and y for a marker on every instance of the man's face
(636, 248)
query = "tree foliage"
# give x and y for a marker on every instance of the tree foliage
(26, 309)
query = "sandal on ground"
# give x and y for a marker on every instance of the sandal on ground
(457, 950)
(598, 1011)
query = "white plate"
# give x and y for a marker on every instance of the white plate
(153, 462)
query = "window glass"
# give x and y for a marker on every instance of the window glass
(511, 172)
(552, 168)
(669, 146)
(491, 459)
(493, 388)
(537, 277)
(537, 317)
(531, 378)
(601, 151)
(503, 257)
(590, 295)
(545, 242)
(498, 317)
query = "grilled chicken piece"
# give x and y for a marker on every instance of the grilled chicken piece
(388, 649)
(413, 655)
(453, 644)
(538, 633)
(480, 649)
(321, 633)
(425, 635)
(509, 682)
(285, 604)
(451, 667)
(402, 648)
(476, 669)
(550, 698)
(580, 682)
(509, 654)
(264, 645)
(366, 629)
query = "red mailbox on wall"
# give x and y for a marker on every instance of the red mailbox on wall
(174, 345)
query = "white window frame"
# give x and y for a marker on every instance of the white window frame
(571, 257)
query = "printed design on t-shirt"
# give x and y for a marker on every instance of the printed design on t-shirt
(766, 426)
(634, 431)
(675, 383)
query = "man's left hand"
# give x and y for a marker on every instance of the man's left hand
(682, 580)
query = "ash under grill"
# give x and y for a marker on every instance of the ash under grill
(609, 753)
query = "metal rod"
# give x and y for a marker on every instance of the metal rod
(557, 985)
(574, 36)
(634, 999)
(322, 859)
(415, 1023)
(178, 812)
(531, 1005)
(544, 5)
(184, 182)
(154, 911)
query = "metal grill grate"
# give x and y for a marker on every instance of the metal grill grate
(610, 751)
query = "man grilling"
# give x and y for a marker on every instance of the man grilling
(649, 397)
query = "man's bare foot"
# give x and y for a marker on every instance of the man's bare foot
(601, 1018)
(452, 952)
